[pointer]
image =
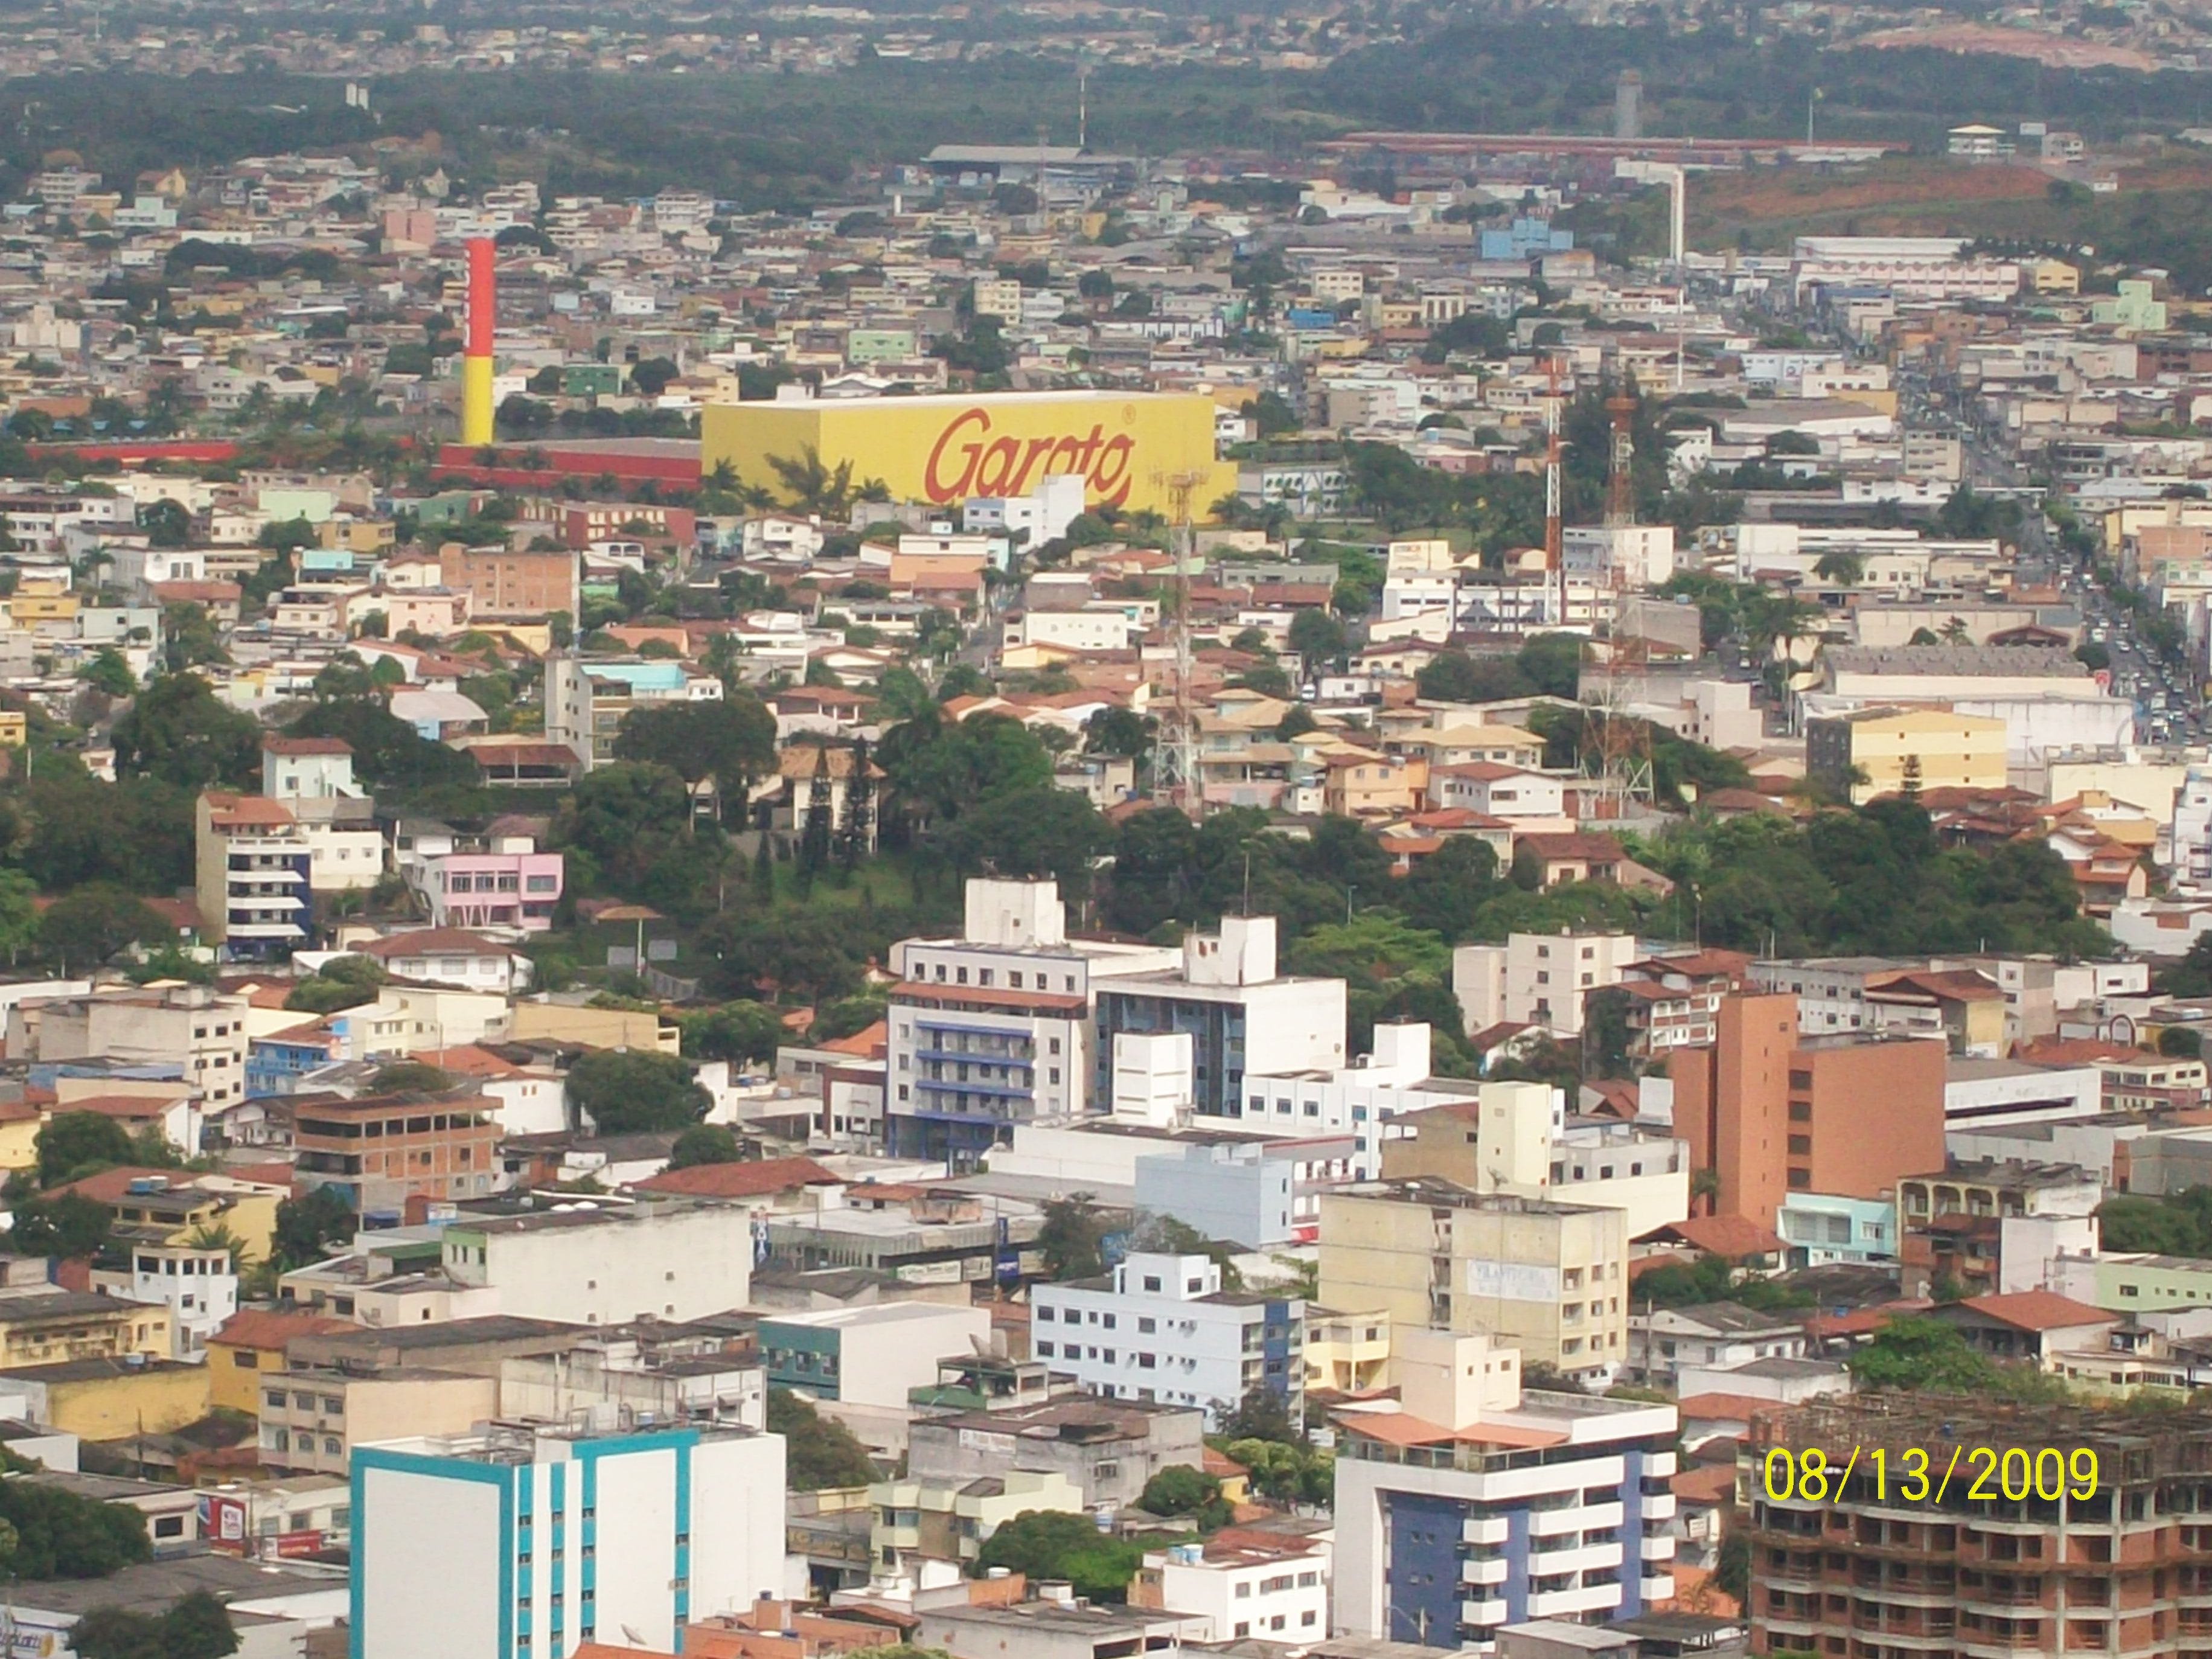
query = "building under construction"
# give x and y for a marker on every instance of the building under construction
(2124, 1572)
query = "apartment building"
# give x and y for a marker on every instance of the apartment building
(1549, 1278)
(926, 1534)
(312, 1418)
(1511, 1139)
(1869, 752)
(252, 874)
(666, 1260)
(867, 1356)
(518, 1540)
(1243, 1582)
(992, 1030)
(1108, 1450)
(188, 1029)
(2113, 1565)
(1161, 1328)
(1538, 979)
(505, 585)
(1473, 1504)
(587, 698)
(1772, 1114)
(381, 1149)
(510, 885)
(1228, 998)
(1363, 1100)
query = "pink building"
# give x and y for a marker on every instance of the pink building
(514, 889)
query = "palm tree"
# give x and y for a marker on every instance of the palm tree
(813, 485)
(1842, 567)
(217, 1235)
(1955, 632)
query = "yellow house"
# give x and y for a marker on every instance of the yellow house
(44, 1325)
(14, 728)
(595, 1028)
(115, 1399)
(25, 608)
(168, 1206)
(18, 1134)
(1548, 1279)
(1889, 752)
(1345, 1353)
(250, 1347)
(2049, 275)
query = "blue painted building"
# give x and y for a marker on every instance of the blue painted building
(1470, 1505)
(1525, 239)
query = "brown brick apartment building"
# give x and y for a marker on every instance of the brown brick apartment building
(1772, 1113)
(503, 582)
(384, 1149)
(2126, 1572)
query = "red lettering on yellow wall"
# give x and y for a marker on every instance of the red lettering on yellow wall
(966, 460)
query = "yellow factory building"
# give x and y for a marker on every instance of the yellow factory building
(1130, 447)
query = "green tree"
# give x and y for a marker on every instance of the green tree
(813, 954)
(736, 1031)
(1263, 1414)
(189, 637)
(820, 1453)
(108, 672)
(629, 1090)
(730, 739)
(1072, 1238)
(388, 753)
(628, 818)
(167, 523)
(1180, 1490)
(310, 1227)
(1923, 1355)
(408, 1077)
(62, 1534)
(87, 926)
(1317, 637)
(1117, 731)
(177, 731)
(1454, 677)
(1032, 832)
(73, 1145)
(342, 982)
(1047, 1544)
(940, 768)
(1552, 664)
(705, 1143)
(195, 1628)
(67, 1226)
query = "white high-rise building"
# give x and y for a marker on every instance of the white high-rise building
(993, 1028)
(1160, 1329)
(1237, 1009)
(521, 1542)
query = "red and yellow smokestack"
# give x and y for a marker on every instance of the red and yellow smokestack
(476, 354)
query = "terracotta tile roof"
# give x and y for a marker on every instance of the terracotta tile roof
(1726, 1407)
(1730, 1235)
(1707, 1483)
(270, 1331)
(2037, 1310)
(757, 1178)
(113, 1186)
(273, 744)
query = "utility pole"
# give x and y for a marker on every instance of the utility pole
(1176, 781)
(1555, 587)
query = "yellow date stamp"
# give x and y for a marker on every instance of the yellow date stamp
(1914, 1475)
